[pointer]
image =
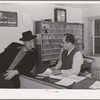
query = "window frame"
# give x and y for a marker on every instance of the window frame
(94, 38)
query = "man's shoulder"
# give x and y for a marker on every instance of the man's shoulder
(14, 44)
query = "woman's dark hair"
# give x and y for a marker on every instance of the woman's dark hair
(70, 38)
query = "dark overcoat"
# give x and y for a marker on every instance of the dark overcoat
(24, 66)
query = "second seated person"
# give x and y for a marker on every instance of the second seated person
(71, 58)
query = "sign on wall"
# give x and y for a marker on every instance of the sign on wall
(8, 19)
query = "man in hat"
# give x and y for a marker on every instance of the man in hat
(17, 59)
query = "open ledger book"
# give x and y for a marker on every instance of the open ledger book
(65, 80)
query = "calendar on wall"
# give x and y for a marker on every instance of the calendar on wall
(8, 19)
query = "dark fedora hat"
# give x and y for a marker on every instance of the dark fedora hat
(27, 36)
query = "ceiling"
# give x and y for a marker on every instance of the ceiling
(78, 6)
(72, 4)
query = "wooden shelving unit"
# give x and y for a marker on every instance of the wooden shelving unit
(49, 35)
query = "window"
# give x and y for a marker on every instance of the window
(97, 36)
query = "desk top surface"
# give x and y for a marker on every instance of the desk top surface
(84, 84)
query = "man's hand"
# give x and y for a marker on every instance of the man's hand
(56, 72)
(10, 74)
(53, 68)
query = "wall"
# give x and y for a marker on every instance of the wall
(92, 14)
(34, 12)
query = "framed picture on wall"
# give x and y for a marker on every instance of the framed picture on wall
(59, 15)
(8, 19)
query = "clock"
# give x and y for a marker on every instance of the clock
(59, 15)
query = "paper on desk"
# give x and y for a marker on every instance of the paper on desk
(48, 72)
(95, 85)
(77, 78)
(65, 81)
(56, 76)
(60, 76)
(74, 77)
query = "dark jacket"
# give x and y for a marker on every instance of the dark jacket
(23, 67)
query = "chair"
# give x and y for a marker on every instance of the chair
(86, 66)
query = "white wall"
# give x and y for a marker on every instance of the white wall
(91, 12)
(35, 12)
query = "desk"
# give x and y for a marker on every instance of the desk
(84, 84)
(48, 83)
(32, 83)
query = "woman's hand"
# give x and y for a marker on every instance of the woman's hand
(10, 74)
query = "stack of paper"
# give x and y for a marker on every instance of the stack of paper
(60, 76)
(73, 77)
(65, 79)
(47, 73)
(95, 85)
(56, 76)
(65, 82)
(77, 78)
